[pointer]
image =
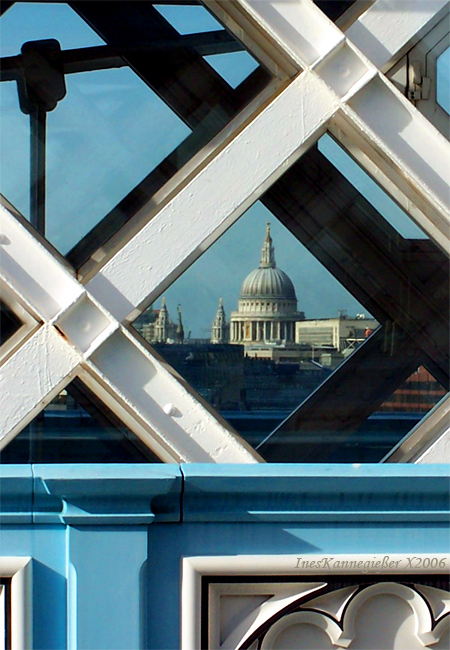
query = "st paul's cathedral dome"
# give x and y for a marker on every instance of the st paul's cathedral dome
(268, 281)
(267, 308)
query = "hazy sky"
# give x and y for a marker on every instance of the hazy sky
(111, 130)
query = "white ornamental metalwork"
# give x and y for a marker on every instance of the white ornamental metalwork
(330, 80)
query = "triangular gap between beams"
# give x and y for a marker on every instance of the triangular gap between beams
(77, 427)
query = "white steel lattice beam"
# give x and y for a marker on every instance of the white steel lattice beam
(389, 27)
(220, 193)
(82, 331)
(429, 441)
(342, 81)
(349, 82)
(35, 272)
(300, 28)
(154, 402)
(79, 337)
(24, 312)
(32, 377)
(407, 140)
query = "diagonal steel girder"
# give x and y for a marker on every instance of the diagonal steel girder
(139, 398)
(404, 290)
(428, 337)
(78, 337)
(393, 29)
(366, 254)
(183, 80)
(346, 399)
(245, 181)
(304, 17)
(118, 280)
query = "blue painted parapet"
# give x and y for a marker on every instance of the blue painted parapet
(107, 541)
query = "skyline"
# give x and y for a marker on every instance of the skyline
(215, 275)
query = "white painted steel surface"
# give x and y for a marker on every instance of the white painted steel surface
(389, 27)
(300, 28)
(19, 569)
(77, 332)
(216, 197)
(82, 330)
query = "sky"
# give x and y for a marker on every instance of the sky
(111, 130)
(443, 80)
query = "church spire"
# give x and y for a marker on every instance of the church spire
(179, 332)
(162, 324)
(219, 326)
(268, 251)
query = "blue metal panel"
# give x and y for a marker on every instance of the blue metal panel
(110, 568)
(124, 580)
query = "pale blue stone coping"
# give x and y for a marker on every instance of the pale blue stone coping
(131, 494)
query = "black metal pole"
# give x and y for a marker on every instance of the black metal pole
(38, 123)
(38, 127)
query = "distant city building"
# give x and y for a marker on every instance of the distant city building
(267, 323)
(215, 370)
(341, 333)
(269, 357)
(420, 392)
(156, 326)
(267, 307)
(145, 324)
(162, 324)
